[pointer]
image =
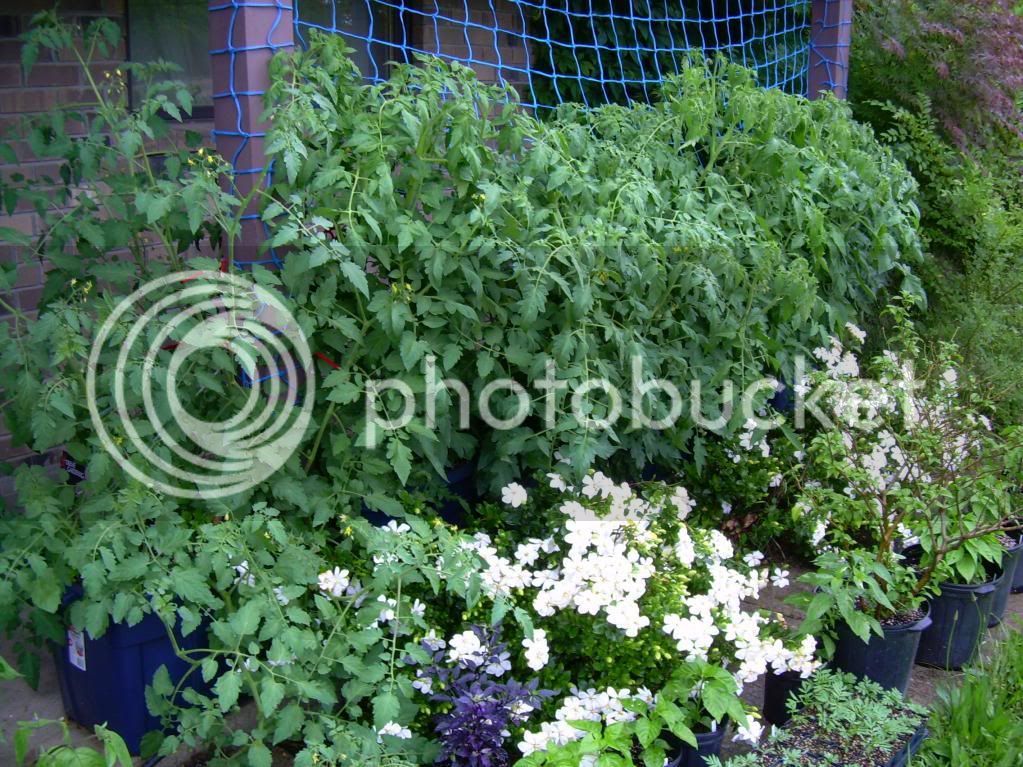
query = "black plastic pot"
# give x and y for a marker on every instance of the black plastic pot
(902, 758)
(887, 660)
(959, 616)
(1017, 581)
(1010, 568)
(707, 744)
(778, 688)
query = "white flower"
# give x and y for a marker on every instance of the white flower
(597, 484)
(819, 532)
(465, 646)
(395, 730)
(527, 553)
(750, 732)
(682, 502)
(722, 547)
(514, 495)
(334, 582)
(418, 609)
(433, 642)
(499, 664)
(780, 578)
(685, 551)
(424, 684)
(280, 596)
(856, 332)
(726, 508)
(388, 614)
(753, 559)
(243, 575)
(537, 651)
(393, 527)
(557, 482)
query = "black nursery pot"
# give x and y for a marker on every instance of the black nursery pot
(905, 756)
(778, 688)
(1017, 581)
(959, 616)
(1010, 571)
(887, 660)
(707, 744)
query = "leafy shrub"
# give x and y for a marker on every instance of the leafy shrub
(911, 459)
(712, 236)
(642, 620)
(941, 82)
(979, 721)
(965, 57)
(972, 223)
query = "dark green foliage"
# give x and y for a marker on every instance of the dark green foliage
(972, 221)
(940, 82)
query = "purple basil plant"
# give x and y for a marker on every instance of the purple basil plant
(485, 702)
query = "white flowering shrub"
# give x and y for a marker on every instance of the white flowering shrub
(912, 459)
(640, 620)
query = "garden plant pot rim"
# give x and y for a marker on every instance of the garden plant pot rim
(911, 746)
(919, 625)
(922, 624)
(981, 589)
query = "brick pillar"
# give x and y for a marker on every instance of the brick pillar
(830, 36)
(244, 35)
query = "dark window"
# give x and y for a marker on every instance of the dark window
(175, 31)
(371, 30)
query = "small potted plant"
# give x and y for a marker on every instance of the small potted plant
(911, 459)
(838, 719)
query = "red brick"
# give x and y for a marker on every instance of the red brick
(29, 275)
(28, 100)
(51, 75)
(28, 298)
(22, 222)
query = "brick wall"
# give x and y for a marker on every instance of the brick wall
(52, 82)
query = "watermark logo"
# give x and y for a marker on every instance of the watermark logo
(157, 332)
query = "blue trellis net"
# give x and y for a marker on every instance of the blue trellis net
(550, 51)
(588, 51)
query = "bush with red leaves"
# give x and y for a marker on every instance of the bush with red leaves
(965, 56)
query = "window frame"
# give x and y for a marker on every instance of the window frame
(200, 112)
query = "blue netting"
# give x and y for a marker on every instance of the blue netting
(588, 51)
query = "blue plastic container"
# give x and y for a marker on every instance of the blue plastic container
(103, 681)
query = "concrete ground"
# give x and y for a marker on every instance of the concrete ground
(18, 702)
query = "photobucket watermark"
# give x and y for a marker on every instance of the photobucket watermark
(148, 346)
(162, 376)
(599, 404)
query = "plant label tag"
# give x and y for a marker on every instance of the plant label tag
(76, 648)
